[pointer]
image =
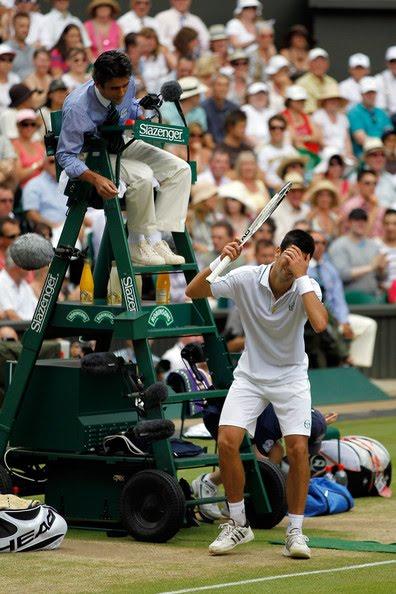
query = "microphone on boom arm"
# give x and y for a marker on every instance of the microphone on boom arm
(171, 91)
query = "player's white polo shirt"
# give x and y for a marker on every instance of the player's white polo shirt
(274, 329)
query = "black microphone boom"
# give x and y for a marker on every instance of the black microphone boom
(171, 91)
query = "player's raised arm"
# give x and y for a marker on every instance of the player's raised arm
(199, 286)
(298, 265)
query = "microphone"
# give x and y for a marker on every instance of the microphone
(171, 91)
(154, 395)
(31, 251)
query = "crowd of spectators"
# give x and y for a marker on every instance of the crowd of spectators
(260, 114)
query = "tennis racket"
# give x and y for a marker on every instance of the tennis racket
(251, 230)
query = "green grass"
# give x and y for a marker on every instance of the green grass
(89, 561)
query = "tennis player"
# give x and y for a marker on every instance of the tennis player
(274, 302)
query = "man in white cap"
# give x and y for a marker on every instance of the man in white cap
(316, 82)
(258, 113)
(172, 20)
(365, 119)
(359, 66)
(241, 29)
(386, 80)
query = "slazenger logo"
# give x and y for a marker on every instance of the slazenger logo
(160, 313)
(129, 293)
(161, 133)
(44, 302)
(104, 315)
(77, 313)
(291, 305)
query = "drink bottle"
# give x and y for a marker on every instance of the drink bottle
(87, 283)
(162, 290)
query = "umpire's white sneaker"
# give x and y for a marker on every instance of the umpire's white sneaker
(163, 250)
(202, 488)
(231, 536)
(144, 254)
(296, 545)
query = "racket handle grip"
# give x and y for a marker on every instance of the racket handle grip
(219, 269)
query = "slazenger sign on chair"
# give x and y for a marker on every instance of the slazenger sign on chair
(160, 132)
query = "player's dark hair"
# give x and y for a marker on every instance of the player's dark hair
(109, 65)
(299, 238)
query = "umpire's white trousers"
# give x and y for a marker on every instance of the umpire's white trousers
(362, 346)
(140, 164)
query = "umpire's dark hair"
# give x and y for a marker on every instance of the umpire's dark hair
(109, 65)
(299, 238)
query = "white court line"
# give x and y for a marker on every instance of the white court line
(279, 577)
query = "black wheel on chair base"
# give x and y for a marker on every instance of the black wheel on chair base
(152, 506)
(275, 486)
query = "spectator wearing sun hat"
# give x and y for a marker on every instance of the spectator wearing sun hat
(104, 33)
(7, 78)
(365, 119)
(324, 199)
(260, 58)
(359, 67)
(278, 73)
(242, 28)
(386, 80)
(219, 44)
(30, 152)
(374, 158)
(316, 82)
(239, 76)
(333, 122)
(190, 100)
(21, 98)
(258, 113)
(292, 209)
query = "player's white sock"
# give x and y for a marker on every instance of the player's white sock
(154, 238)
(134, 237)
(295, 523)
(237, 512)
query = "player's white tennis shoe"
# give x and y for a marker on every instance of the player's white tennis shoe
(202, 488)
(231, 536)
(296, 546)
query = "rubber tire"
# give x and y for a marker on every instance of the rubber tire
(275, 486)
(5, 481)
(157, 494)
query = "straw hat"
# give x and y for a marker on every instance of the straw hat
(286, 161)
(96, 3)
(332, 92)
(296, 180)
(241, 4)
(203, 191)
(323, 185)
(237, 191)
(191, 86)
(373, 144)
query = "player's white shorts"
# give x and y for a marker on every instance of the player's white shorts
(246, 401)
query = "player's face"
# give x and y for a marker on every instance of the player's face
(115, 89)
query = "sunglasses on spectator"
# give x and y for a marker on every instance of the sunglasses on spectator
(13, 236)
(144, 2)
(369, 183)
(376, 154)
(79, 61)
(277, 128)
(240, 63)
(6, 199)
(27, 124)
(197, 135)
(7, 59)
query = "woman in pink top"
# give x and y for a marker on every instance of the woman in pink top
(30, 153)
(102, 28)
